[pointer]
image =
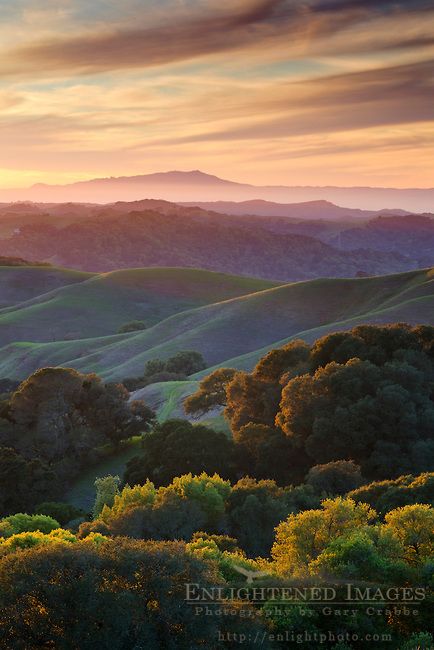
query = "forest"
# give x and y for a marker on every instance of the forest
(321, 479)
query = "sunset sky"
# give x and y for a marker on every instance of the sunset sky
(310, 92)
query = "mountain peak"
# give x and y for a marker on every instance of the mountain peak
(198, 186)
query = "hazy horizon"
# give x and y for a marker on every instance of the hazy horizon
(196, 187)
(165, 172)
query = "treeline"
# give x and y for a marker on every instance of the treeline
(364, 395)
(176, 368)
(99, 586)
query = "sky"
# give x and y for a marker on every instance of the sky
(293, 92)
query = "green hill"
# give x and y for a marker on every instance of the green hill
(234, 331)
(21, 283)
(55, 304)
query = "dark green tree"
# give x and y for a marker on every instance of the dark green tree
(335, 478)
(187, 362)
(111, 595)
(178, 447)
(23, 482)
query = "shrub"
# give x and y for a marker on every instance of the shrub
(61, 512)
(22, 523)
(132, 326)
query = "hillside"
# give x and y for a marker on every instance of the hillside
(110, 241)
(236, 331)
(410, 235)
(310, 210)
(20, 283)
(54, 304)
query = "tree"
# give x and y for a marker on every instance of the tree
(254, 510)
(371, 343)
(369, 554)
(395, 493)
(363, 395)
(187, 363)
(63, 413)
(211, 393)
(154, 366)
(188, 504)
(250, 399)
(107, 489)
(132, 326)
(31, 539)
(210, 492)
(266, 453)
(413, 526)
(111, 595)
(170, 517)
(179, 447)
(419, 640)
(62, 512)
(286, 362)
(23, 482)
(359, 410)
(303, 536)
(335, 478)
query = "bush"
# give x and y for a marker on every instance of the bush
(132, 326)
(22, 523)
(61, 512)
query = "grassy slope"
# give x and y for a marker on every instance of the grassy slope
(22, 283)
(101, 303)
(243, 327)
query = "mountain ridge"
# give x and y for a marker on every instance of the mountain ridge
(199, 186)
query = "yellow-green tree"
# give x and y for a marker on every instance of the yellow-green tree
(413, 526)
(303, 536)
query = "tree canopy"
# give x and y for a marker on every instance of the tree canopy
(365, 396)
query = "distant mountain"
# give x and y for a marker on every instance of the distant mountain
(412, 236)
(196, 186)
(310, 210)
(190, 237)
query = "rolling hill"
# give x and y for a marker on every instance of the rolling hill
(75, 305)
(231, 331)
(25, 282)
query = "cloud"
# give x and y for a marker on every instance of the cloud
(392, 95)
(324, 90)
(255, 24)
